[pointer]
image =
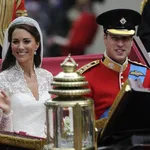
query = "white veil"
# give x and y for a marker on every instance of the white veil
(21, 20)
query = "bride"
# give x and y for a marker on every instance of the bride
(24, 84)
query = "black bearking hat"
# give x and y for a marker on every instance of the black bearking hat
(119, 21)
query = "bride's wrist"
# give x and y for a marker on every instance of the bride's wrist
(5, 115)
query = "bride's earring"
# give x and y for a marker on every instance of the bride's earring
(35, 52)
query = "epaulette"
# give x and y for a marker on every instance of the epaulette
(88, 66)
(137, 63)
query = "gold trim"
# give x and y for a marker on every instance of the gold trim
(121, 32)
(70, 84)
(113, 65)
(99, 124)
(137, 63)
(6, 13)
(87, 66)
(143, 3)
(70, 92)
(22, 141)
(78, 129)
(126, 87)
(57, 102)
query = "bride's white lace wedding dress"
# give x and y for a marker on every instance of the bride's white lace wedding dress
(29, 114)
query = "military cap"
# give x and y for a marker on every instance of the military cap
(119, 21)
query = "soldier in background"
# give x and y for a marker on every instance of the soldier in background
(82, 17)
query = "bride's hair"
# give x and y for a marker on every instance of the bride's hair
(10, 60)
(31, 26)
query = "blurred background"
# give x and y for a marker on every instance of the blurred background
(65, 23)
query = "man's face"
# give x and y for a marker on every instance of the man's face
(118, 47)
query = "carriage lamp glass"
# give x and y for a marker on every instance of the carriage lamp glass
(70, 115)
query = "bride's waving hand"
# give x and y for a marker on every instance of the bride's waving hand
(5, 112)
(5, 103)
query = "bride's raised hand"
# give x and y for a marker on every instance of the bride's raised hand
(5, 102)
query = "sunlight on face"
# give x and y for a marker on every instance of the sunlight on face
(118, 47)
(23, 45)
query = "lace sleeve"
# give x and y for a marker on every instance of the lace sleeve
(6, 122)
(4, 84)
(49, 79)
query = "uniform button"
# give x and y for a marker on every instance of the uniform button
(122, 83)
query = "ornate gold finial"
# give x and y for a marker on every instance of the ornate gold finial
(69, 65)
(69, 82)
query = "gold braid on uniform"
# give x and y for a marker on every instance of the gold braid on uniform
(138, 64)
(143, 3)
(100, 124)
(88, 66)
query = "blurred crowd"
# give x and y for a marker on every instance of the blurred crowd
(68, 26)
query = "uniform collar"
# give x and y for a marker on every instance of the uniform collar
(109, 63)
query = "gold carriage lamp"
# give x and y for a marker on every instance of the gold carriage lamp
(70, 115)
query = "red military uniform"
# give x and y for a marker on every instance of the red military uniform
(106, 78)
(81, 34)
